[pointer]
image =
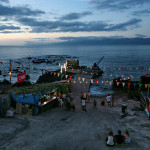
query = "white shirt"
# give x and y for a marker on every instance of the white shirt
(110, 140)
(83, 102)
(108, 98)
(84, 95)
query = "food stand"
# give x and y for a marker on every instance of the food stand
(49, 100)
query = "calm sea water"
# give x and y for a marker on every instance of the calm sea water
(115, 56)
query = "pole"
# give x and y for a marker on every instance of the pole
(10, 71)
(148, 92)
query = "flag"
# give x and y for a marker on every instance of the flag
(128, 85)
(117, 83)
(66, 76)
(105, 82)
(96, 81)
(123, 84)
(21, 77)
(140, 85)
(146, 85)
(134, 84)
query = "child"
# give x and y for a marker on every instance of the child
(94, 103)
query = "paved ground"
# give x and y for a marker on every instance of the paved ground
(59, 129)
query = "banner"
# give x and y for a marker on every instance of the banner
(21, 77)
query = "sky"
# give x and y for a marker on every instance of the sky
(29, 22)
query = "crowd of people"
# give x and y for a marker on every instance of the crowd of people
(118, 139)
(68, 102)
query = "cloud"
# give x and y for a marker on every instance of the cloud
(92, 40)
(75, 16)
(76, 26)
(5, 1)
(115, 5)
(132, 23)
(7, 32)
(5, 27)
(18, 11)
(140, 36)
(145, 12)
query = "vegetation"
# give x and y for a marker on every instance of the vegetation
(40, 88)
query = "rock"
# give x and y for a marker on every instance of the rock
(24, 83)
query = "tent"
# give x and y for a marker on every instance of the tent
(26, 98)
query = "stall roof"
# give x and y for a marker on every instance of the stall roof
(26, 98)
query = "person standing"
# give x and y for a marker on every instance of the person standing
(83, 105)
(108, 98)
(81, 96)
(112, 98)
(94, 104)
(73, 104)
(88, 96)
(85, 96)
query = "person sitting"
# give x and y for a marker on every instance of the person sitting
(102, 103)
(110, 139)
(119, 138)
(127, 138)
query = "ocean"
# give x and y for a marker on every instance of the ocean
(117, 58)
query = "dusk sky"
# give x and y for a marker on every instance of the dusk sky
(25, 22)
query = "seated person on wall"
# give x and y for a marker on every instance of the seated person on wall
(119, 139)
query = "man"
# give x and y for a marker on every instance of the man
(108, 98)
(83, 105)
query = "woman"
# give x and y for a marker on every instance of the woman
(110, 139)
(127, 139)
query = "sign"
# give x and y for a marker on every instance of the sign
(21, 77)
